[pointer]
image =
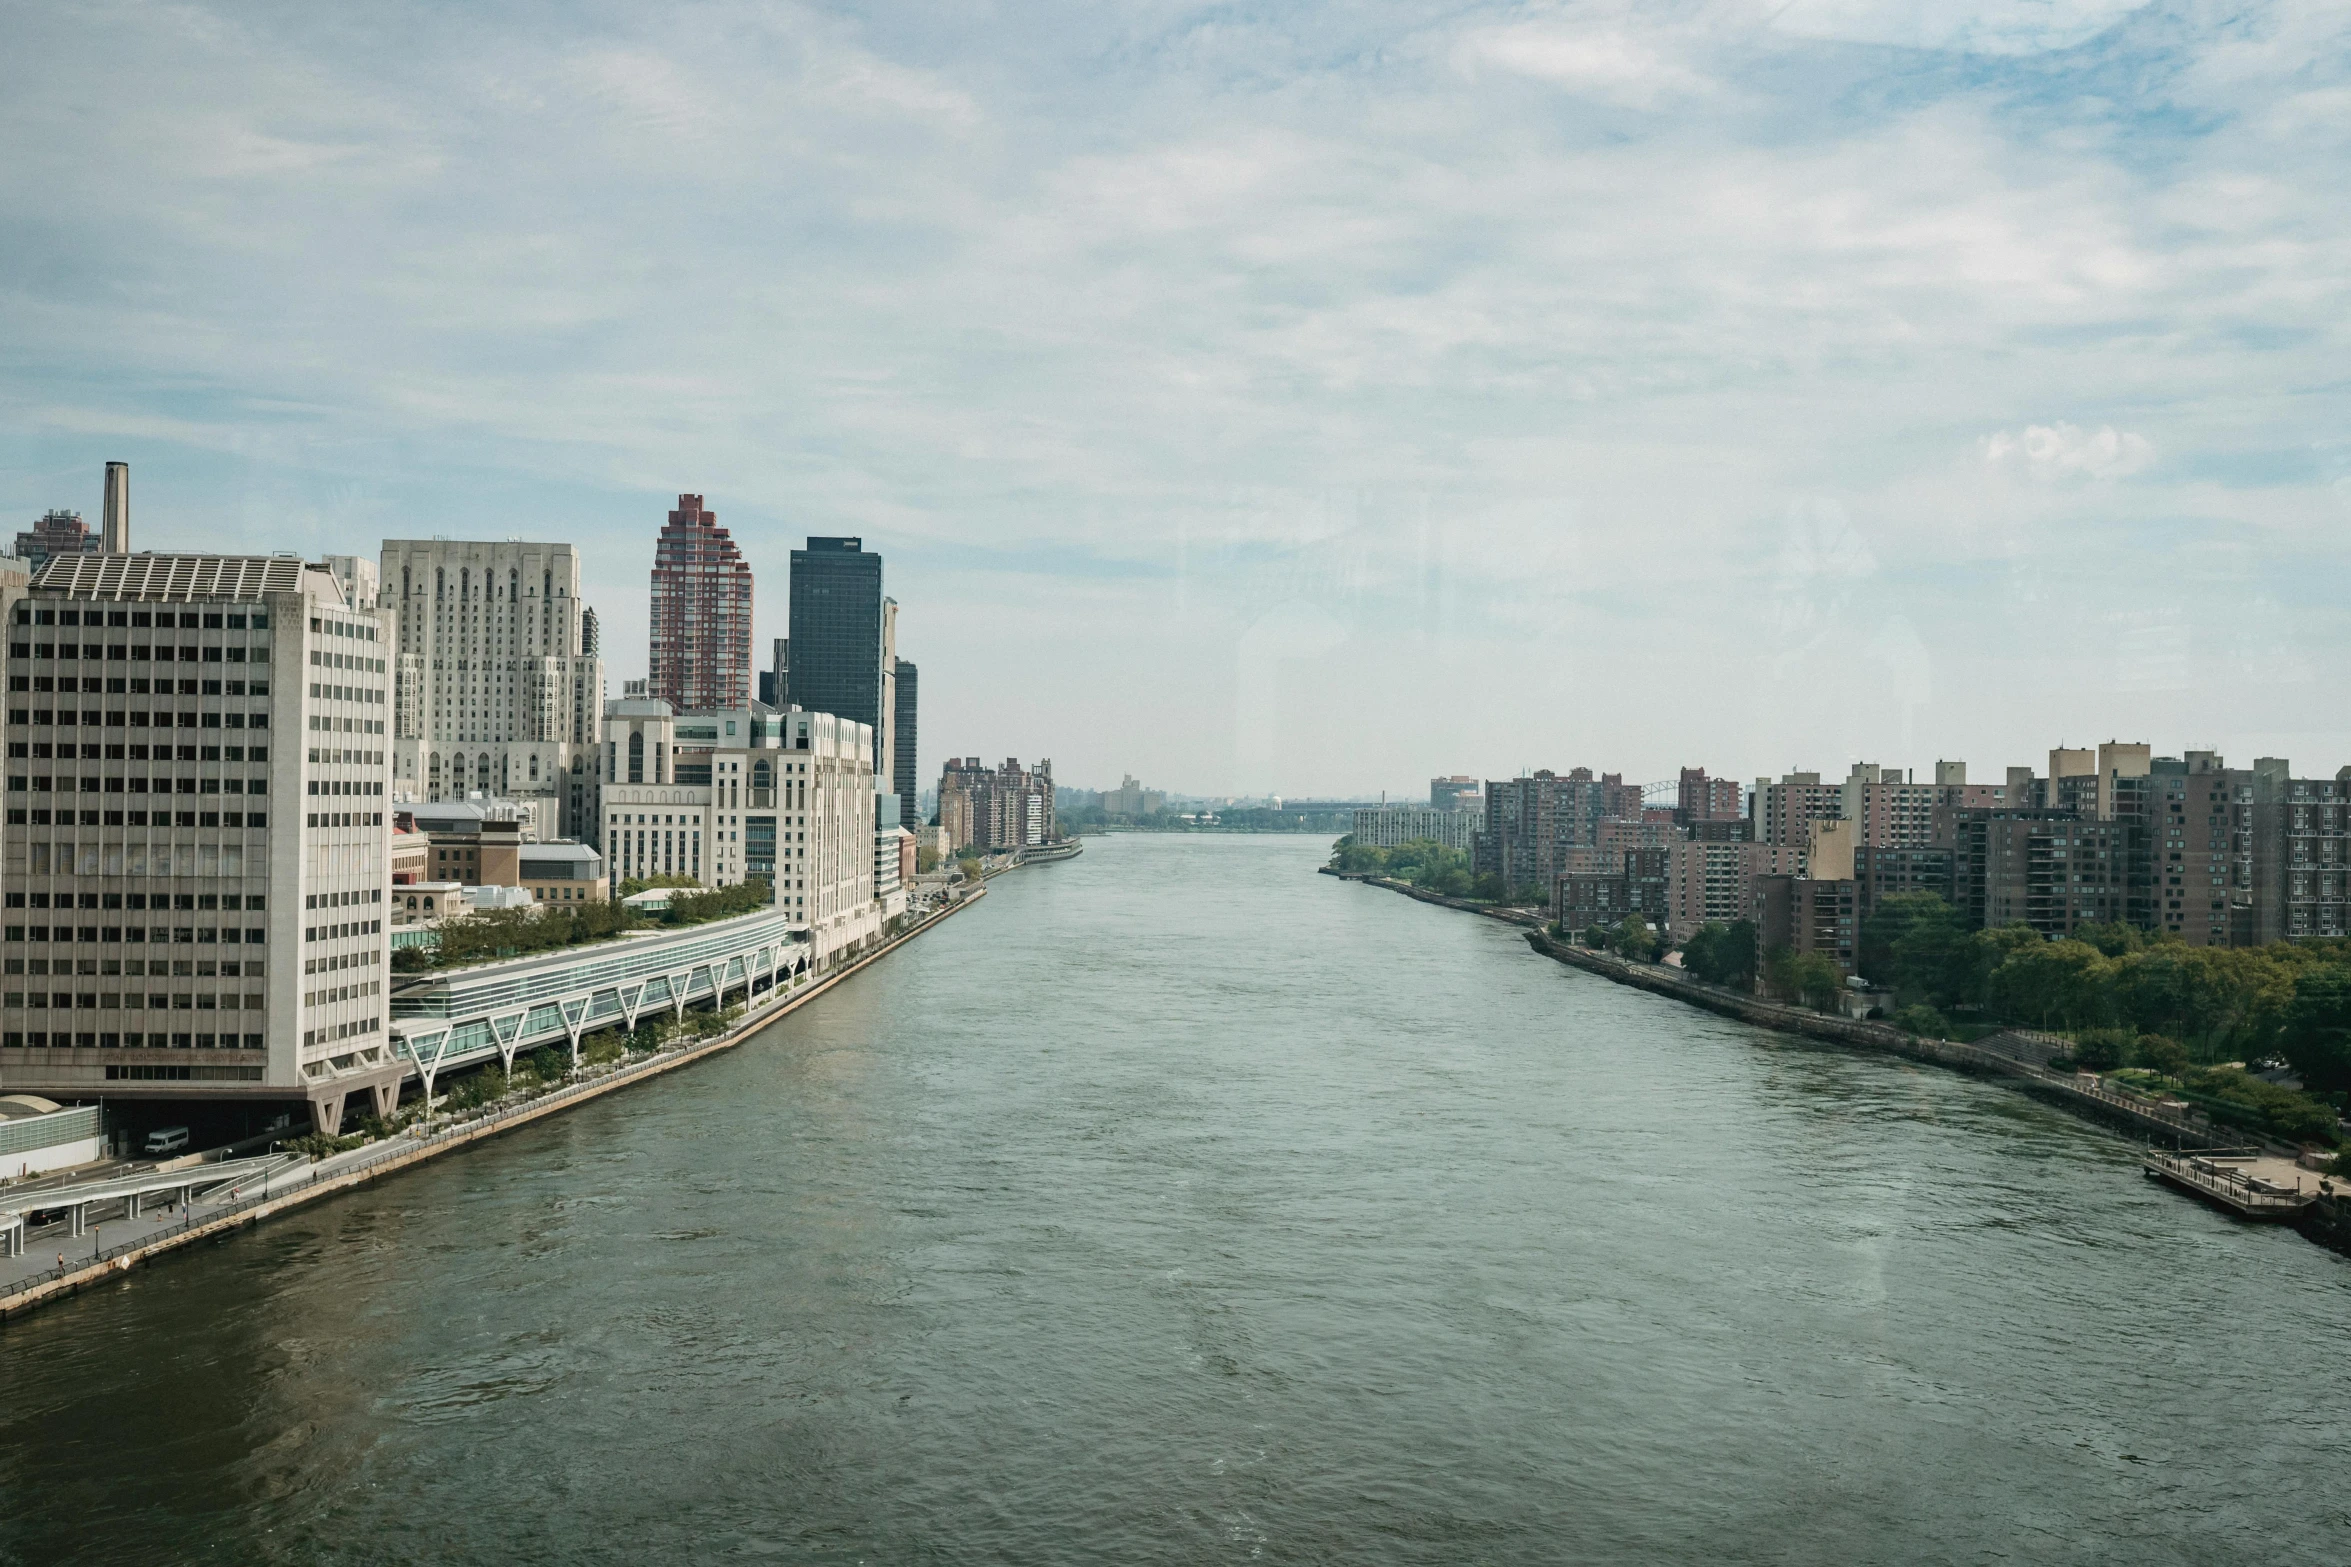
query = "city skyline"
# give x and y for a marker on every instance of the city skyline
(1867, 381)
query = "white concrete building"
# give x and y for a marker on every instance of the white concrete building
(748, 794)
(1388, 826)
(195, 838)
(500, 687)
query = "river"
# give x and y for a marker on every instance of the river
(1176, 1204)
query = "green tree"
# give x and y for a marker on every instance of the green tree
(1893, 919)
(1722, 954)
(1816, 981)
(2316, 1036)
(1631, 939)
(2052, 984)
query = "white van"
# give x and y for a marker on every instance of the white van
(168, 1140)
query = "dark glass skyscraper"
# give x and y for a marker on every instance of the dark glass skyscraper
(902, 762)
(836, 633)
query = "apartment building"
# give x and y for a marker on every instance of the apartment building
(1700, 798)
(196, 771)
(991, 809)
(2313, 854)
(699, 640)
(1784, 811)
(1805, 915)
(1713, 882)
(498, 684)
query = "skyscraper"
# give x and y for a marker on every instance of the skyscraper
(837, 635)
(701, 624)
(903, 777)
(497, 686)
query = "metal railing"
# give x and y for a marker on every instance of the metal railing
(412, 1141)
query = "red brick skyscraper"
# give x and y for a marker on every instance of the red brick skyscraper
(701, 653)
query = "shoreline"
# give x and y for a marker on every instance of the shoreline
(2326, 1222)
(346, 1172)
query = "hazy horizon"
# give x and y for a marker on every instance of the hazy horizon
(1303, 400)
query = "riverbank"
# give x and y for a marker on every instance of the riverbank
(362, 1166)
(2326, 1222)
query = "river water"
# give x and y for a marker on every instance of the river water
(1176, 1204)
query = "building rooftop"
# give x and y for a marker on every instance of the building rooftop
(172, 576)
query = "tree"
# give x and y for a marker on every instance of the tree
(2053, 984)
(1631, 939)
(1893, 919)
(926, 860)
(1722, 954)
(2160, 1053)
(1816, 981)
(2316, 1037)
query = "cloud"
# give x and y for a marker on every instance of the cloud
(1995, 27)
(1497, 339)
(1616, 67)
(2066, 451)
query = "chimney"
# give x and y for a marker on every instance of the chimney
(115, 531)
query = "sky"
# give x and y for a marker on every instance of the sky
(1300, 399)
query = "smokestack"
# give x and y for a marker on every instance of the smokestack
(115, 532)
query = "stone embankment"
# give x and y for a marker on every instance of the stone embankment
(342, 1172)
(2326, 1221)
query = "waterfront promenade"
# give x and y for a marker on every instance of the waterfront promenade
(114, 1246)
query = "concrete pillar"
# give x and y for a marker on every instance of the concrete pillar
(78, 1219)
(135, 1205)
(387, 1098)
(326, 1113)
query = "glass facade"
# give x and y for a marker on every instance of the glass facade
(837, 632)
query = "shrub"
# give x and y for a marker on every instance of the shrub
(1919, 1018)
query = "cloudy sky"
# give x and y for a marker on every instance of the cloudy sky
(1304, 398)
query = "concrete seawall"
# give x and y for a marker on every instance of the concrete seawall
(365, 1165)
(2326, 1222)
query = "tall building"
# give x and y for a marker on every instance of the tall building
(1008, 807)
(2312, 852)
(775, 680)
(1130, 798)
(1531, 823)
(1456, 793)
(357, 575)
(57, 533)
(700, 655)
(218, 833)
(748, 794)
(1704, 799)
(1712, 881)
(903, 775)
(115, 521)
(837, 633)
(498, 687)
(1785, 810)
(885, 749)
